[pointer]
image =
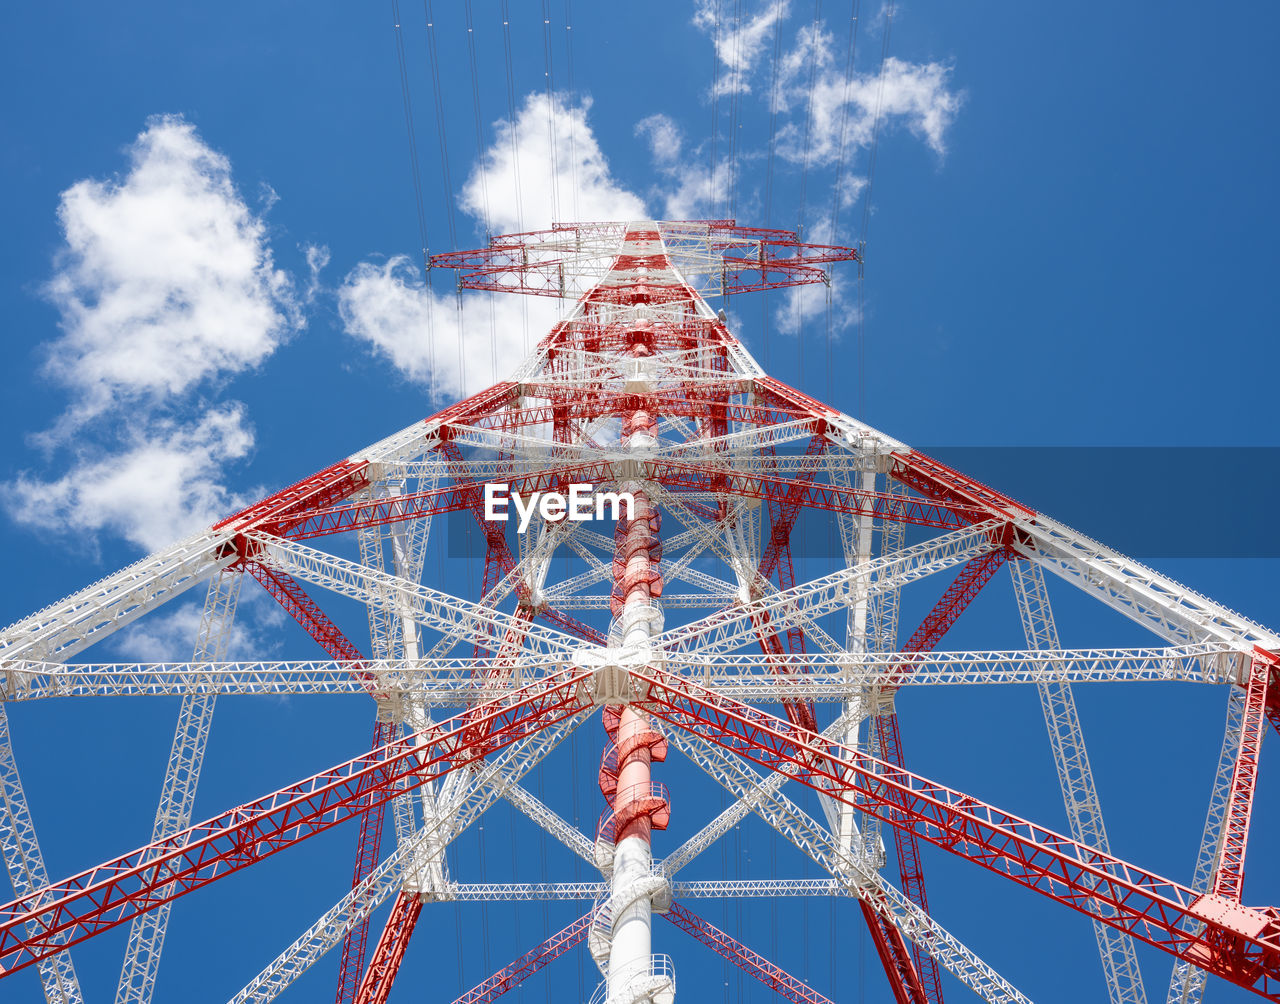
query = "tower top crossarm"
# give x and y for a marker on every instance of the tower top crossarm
(716, 257)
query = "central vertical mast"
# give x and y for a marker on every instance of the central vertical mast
(637, 586)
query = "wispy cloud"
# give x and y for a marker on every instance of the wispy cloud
(664, 137)
(162, 479)
(169, 636)
(739, 47)
(842, 113)
(427, 338)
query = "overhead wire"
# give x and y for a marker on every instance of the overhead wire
(837, 193)
(808, 118)
(543, 875)
(442, 134)
(724, 903)
(515, 153)
(715, 110)
(798, 300)
(573, 95)
(484, 181)
(511, 114)
(866, 211)
(484, 907)
(415, 170)
(735, 104)
(768, 185)
(549, 73)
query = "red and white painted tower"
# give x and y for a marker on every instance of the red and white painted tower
(683, 625)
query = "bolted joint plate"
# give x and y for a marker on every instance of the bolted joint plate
(611, 669)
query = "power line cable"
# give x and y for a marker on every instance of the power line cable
(551, 118)
(484, 181)
(573, 93)
(735, 104)
(768, 186)
(715, 110)
(866, 212)
(415, 170)
(804, 171)
(515, 152)
(836, 191)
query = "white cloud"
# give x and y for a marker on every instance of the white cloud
(317, 258)
(166, 278)
(525, 187)
(423, 334)
(695, 194)
(739, 46)
(807, 305)
(427, 339)
(664, 137)
(166, 281)
(170, 636)
(914, 94)
(688, 190)
(164, 483)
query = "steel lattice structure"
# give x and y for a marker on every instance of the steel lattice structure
(766, 683)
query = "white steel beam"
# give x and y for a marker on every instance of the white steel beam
(1156, 601)
(454, 682)
(178, 793)
(429, 607)
(819, 845)
(26, 868)
(727, 629)
(1186, 986)
(551, 821)
(71, 625)
(1075, 775)
(390, 876)
(511, 892)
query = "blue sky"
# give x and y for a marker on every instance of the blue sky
(1070, 243)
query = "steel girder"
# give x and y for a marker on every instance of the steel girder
(115, 892)
(178, 793)
(1239, 943)
(1075, 775)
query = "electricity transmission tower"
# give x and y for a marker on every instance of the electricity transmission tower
(683, 625)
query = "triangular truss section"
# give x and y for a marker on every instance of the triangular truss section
(675, 611)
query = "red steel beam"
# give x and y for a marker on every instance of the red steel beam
(342, 480)
(942, 483)
(1241, 944)
(334, 483)
(1229, 879)
(1272, 706)
(368, 850)
(777, 557)
(35, 926)
(535, 263)
(954, 601)
(910, 867)
(529, 963)
(500, 552)
(297, 604)
(389, 952)
(752, 963)
(330, 637)
(674, 475)
(895, 956)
